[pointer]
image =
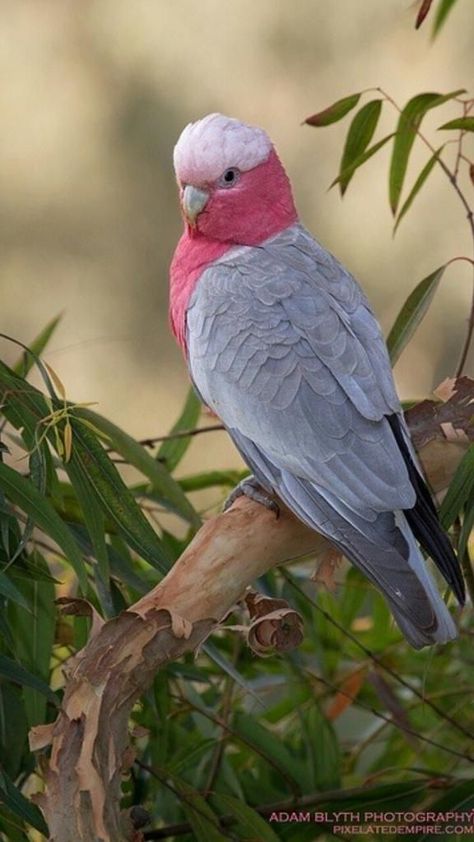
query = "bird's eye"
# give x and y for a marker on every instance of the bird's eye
(229, 177)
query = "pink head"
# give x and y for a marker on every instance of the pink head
(233, 188)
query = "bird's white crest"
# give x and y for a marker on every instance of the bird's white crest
(207, 148)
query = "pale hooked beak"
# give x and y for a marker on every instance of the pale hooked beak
(193, 202)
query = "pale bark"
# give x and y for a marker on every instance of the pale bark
(90, 741)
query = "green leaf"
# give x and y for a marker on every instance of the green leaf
(247, 821)
(162, 482)
(347, 174)
(324, 750)
(172, 451)
(334, 112)
(13, 671)
(412, 313)
(417, 186)
(361, 132)
(116, 501)
(94, 521)
(13, 729)
(19, 805)
(465, 124)
(271, 747)
(211, 479)
(408, 125)
(442, 13)
(23, 493)
(459, 798)
(460, 490)
(8, 590)
(201, 817)
(226, 666)
(34, 633)
(467, 527)
(27, 360)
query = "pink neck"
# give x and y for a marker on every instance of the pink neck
(193, 254)
(258, 208)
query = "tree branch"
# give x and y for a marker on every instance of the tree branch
(90, 742)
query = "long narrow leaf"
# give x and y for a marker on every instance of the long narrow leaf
(162, 482)
(8, 590)
(271, 747)
(23, 493)
(36, 348)
(334, 112)
(116, 501)
(465, 124)
(19, 805)
(408, 124)
(347, 174)
(412, 313)
(94, 521)
(442, 13)
(417, 186)
(361, 132)
(13, 671)
(172, 451)
(247, 821)
(460, 490)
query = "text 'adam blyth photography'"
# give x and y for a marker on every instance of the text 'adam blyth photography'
(372, 823)
(236, 420)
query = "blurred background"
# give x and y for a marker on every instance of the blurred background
(94, 95)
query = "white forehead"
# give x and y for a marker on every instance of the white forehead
(207, 148)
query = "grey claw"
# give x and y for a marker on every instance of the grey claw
(251, 488)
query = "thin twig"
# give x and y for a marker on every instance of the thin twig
(452, 176)
(226, 706)
(464, 731)
(181, 434)
(181, 796)
(389, 720)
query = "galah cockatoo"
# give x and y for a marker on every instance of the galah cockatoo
(282, 345)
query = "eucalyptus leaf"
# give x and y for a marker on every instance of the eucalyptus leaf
(361, 132)
(19, 805)
(417, 186)
(13, 671)
(247, 821)
(172, 450)
(408, 125)
(412, 313)
(36, 347)
(334, 112)
(465, 124)
(137, 455)
(442, 12)
(460, 490)
(23, 493)
(346, 175)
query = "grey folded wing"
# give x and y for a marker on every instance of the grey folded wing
(285, 349)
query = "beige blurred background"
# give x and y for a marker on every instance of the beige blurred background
(94, 94)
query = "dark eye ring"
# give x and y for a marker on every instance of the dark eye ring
(229, 177)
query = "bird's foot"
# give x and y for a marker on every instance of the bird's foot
(251, 488)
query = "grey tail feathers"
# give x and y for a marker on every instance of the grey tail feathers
(424, 522)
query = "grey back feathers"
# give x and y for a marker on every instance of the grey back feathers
(284, 348)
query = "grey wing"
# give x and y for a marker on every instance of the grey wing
(285, 349)
(283, 346)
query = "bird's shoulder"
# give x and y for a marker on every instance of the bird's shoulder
(289, 265)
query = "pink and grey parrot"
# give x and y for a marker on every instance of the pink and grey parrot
(282, 345)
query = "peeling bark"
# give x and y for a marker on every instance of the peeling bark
(90, 740)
